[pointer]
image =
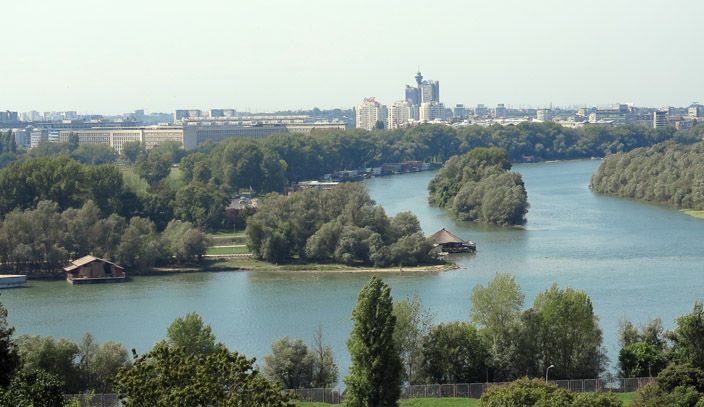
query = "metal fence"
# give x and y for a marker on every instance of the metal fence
(475, 390)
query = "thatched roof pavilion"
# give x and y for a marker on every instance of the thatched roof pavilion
(450, 243)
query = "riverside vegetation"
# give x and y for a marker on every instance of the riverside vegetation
(668, 173)
(393, 342)
(70, 175)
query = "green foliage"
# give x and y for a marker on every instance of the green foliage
(9, 359)
(535, 392)
(184, 242)
(201, 205)
(99, 363)
(496, 310)
(191, 334)
(131, 150)
(477, 186)
(677, 385)
(84, 366)
(666, 173)
(688, 337)
(168, 376)
(94, 154)
(639, 360)
(341, 225)
(289, 364)
(154, 166)
(375, 374)
(34, 388)
(568, 335)
(454, 353)
(413, 322)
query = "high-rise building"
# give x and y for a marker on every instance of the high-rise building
(544, 115)
(459, 112)
(370, 112)
(430, 111)
(412, 95)
(500, 110)
(481, 110)
(429, 91)
(400, 113)
(659, 119)
(695, 111)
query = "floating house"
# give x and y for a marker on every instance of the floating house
(89, 269)
(450, 243)
(10, 281)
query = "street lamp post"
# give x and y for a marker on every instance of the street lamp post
(548, 371)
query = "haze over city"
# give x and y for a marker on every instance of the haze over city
(275, 55)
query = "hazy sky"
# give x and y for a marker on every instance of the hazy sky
(112, 57)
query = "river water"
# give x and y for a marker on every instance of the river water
(635, 260)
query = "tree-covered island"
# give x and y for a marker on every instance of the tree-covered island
(342, 225)
(478, 186)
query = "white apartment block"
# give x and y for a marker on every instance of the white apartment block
(400, 113)
(430, 111)
(369, 112)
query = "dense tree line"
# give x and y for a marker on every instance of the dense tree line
(477, 186)
(47, 238)
(667, 173)
(340, 225)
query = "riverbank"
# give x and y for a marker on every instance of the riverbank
(252, 264)
(696, 214)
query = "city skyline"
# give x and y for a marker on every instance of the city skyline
(274, 56)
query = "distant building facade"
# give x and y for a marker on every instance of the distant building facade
(369, 112)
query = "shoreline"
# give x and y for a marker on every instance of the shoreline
(262, 267)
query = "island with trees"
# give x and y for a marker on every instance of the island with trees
(478, 186)
(341, 225)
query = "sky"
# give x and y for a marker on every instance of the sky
(112, 57)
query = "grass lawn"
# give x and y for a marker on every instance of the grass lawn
(696, 214)
(227, 250)
(626, 398)
(226, 234)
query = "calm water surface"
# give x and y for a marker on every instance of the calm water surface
(634, 260)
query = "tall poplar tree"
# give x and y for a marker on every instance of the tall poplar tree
(375, 375)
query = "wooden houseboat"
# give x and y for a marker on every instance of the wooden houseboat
(89, 269)
(450, 243)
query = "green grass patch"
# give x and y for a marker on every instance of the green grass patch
(626, 398)
(696, 214)
(226, 234)
(227, 250)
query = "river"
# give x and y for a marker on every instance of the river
(635, 260)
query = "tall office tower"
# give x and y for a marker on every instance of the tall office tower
(430, 111)
(429, 91)
(369, 112)
(412, 95)
(460, 112)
